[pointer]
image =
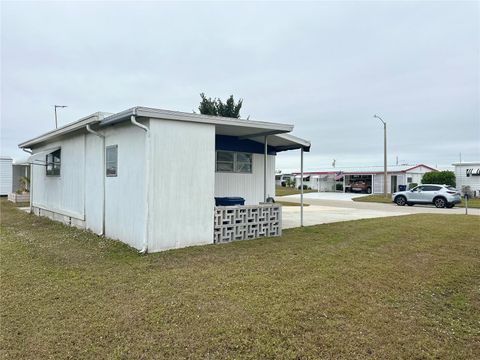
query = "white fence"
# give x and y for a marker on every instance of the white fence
(247, 222)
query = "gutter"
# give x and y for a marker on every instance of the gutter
(134, 122)
(89, 129)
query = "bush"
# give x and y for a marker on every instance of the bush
(412, 185)
(339, 187)
(439, 177)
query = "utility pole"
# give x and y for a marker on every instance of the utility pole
(57, 106)
(385, 192)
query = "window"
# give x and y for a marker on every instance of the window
(225, 161)
(111, 160)
(243, 163)
(53, 161)
(431, 188)
(409, 179)
(234, 162)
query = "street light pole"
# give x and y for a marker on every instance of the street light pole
(57, 106)
(385, 192)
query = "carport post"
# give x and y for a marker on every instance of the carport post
(301, 187)
(265, 171)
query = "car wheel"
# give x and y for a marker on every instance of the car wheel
(440, 202)
(369, 190)
(400, 200)
(410, 204)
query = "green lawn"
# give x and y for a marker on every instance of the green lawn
(400, 287)
(472, 203)
(283, 191)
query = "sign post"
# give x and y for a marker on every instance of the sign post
(466, 203)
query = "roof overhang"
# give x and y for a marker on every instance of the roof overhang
(223, 126)
(241, 128)
(74, 126)
(284, 142)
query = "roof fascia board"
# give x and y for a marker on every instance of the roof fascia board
(205, 119)
(61, 130)
(419, 165)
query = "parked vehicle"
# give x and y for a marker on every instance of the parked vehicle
(359, 186)
(439, 195)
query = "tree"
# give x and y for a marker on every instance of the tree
(216, 107)
(439, 177)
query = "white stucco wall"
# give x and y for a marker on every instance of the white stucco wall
(463, 180)
(94, 183)
(248, 186)
(125, 215)
(182, 184)
(64, 194)
(5, 176)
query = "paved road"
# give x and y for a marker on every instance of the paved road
(323, 211)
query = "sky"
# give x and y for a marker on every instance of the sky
(325, 67)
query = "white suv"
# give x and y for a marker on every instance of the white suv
(439, 195)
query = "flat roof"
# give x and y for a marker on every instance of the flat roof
(468, 163)
(252, 129)
(367, 170)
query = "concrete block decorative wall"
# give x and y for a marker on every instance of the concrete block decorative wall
(247, 222)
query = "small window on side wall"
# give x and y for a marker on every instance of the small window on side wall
(225, 161)
(111, 160)
(53, 163)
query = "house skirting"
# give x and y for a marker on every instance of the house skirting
(247, 222)
(52, 215)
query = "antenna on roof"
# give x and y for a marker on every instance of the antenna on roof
(57, 106)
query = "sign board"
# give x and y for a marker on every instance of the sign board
(472, 172)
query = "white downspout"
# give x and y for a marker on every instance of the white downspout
(89, 129)
(147, 179)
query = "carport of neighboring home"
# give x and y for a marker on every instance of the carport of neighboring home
(397, 175)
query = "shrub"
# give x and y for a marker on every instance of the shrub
(439, 177)
(339, 187)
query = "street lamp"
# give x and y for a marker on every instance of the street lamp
(384, 155)
(57, 106)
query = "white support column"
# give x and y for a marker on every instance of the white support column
(301, 187)
(265, 170)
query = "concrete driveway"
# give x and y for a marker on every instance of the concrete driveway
(329, 209)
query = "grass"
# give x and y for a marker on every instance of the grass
(400, 287)
(284, 191)
(472, 203)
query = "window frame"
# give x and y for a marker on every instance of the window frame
(115, 146)
(235, 162)
(56, 170)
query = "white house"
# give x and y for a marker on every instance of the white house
(468, 174)
(5, 175)
(149, 177)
